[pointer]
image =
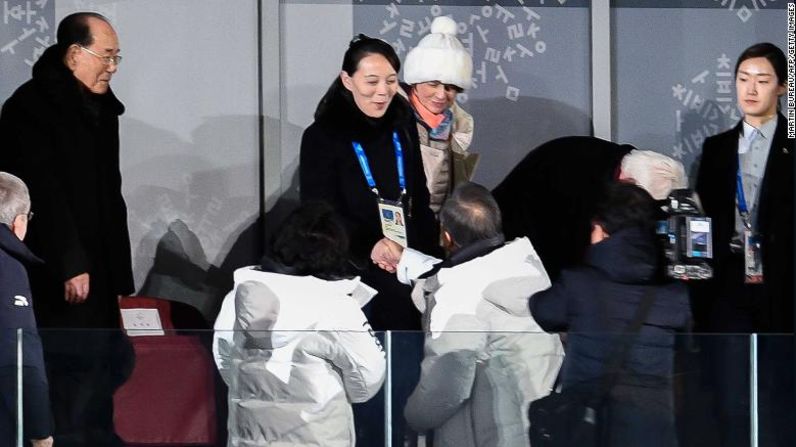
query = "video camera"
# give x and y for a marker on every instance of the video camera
(686, 236)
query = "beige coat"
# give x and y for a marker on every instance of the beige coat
(447, 163)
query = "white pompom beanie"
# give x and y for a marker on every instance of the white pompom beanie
(439, 56)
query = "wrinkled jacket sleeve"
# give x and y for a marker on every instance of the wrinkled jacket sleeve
(414, 264)
(550, 307)
(358, 355)
(447, 373)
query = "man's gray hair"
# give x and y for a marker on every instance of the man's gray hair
(14, 198)
(471, 214)
(656, 173)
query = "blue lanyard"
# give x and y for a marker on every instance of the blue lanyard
(399, 160)
(743, 209)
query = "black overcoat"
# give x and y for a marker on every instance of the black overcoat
(64, 143)
(329, 171)
(552, 194)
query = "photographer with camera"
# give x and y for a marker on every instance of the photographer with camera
(619, 288)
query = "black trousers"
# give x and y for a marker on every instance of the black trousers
(735, 314)
(84, 368)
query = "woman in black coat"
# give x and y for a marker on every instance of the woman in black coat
(362, 111)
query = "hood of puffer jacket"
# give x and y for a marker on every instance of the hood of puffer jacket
(511, 293)
(273, 309)
(505, 278)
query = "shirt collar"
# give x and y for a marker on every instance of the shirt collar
(766, 130)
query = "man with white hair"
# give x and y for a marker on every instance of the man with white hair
(16, 312)
(656, 173)
(550, 196)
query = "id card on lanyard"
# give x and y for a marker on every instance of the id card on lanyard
(752, 253)
(391, 213)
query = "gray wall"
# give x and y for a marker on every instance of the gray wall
(26, 30)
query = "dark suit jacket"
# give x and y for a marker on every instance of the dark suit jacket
(716, 185)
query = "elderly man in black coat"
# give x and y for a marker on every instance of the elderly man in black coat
(60, 135)
(551, 195)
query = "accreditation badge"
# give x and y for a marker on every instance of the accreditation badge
(753, 260)
(393, 221)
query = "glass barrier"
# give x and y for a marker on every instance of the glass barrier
(390, 389)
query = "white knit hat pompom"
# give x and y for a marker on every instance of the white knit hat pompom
(444, 25)
(439, 56)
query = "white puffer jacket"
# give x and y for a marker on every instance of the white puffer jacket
(301, 352)
(486, 358)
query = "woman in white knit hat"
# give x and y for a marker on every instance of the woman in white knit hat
(435, 71)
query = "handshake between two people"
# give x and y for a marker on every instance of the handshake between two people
(386, 254)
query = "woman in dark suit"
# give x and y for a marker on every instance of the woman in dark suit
(745, 182)
(758, 149)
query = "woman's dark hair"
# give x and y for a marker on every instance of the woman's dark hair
(625, 206)
(772, 53)
(74, 29)
(360, 47)
(313, 241)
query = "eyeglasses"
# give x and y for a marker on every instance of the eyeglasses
(108, 60)
(30, 215)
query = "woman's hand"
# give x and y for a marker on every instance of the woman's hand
(386, 254)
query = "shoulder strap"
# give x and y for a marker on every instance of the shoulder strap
(620, 355)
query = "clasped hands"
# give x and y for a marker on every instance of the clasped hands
(386, 254)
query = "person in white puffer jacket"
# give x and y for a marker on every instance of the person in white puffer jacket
(486, 359)
(292, 343)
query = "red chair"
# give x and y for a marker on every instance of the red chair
(169, 398)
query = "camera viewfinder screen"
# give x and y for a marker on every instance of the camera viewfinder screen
(699, 232)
